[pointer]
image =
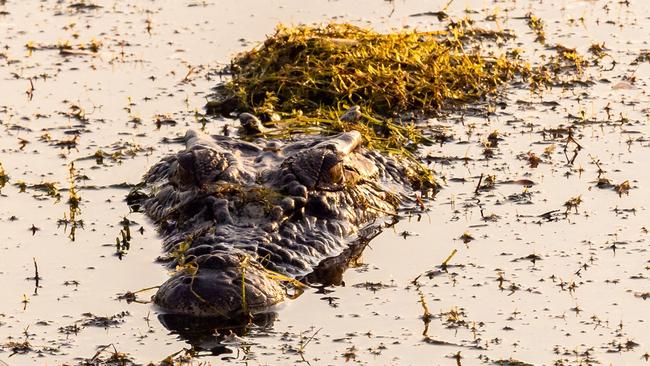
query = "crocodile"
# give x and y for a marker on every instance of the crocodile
(245, 224)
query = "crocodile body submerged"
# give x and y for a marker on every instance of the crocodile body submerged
(238, 218)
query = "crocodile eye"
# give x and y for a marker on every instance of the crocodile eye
(336, 174)
(183, 173)
(199, 166)
(208, 165)
(332, 170)
(318, 168)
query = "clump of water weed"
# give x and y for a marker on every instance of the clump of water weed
(340, 77)
(308, 68)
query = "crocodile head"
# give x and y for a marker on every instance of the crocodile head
(237, 217)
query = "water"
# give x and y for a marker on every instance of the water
(564, 291)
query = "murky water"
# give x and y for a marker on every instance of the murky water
(541, 282)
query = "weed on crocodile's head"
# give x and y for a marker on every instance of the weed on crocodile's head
(305, 79)
(307, 68)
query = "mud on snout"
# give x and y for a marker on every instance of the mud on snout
(220, 285)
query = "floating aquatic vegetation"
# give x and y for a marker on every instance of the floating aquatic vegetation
(123, 240)
(92, 320)
(311, 68)
(466, 237)
(573, 202)
(598, 49)
(623, 188)
(644, 56)
(567, 58)
(49, 188)
(74, 200)
(533, 159)
(339, 77)
(67, 47)
(17, 347)
(536, 24)
(4, 178)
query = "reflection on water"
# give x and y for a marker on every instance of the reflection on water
(214, 336)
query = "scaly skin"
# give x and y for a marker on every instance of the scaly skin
(236, 214)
